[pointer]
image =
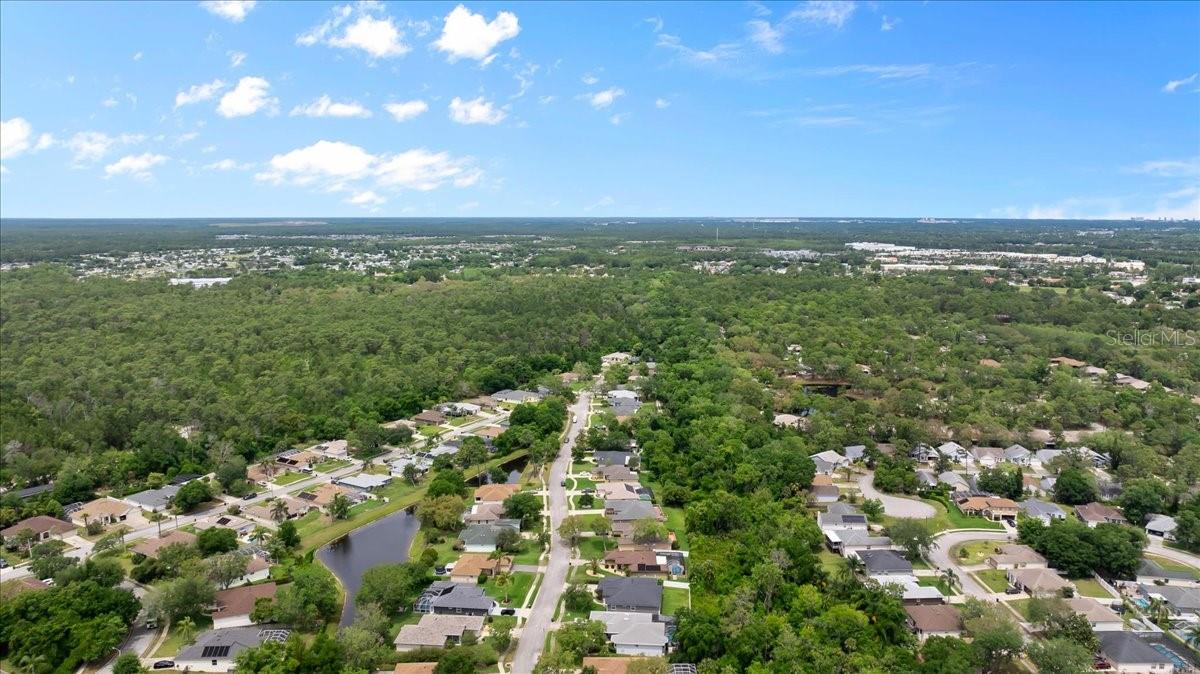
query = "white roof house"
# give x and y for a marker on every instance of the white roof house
(1162, 526)
(633, 633)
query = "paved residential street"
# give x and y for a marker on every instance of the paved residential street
(939, 557)
(895, 506)
(533, 634)
(1156, 547)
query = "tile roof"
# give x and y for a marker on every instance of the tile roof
(238, 601)
(39, 524)
(150, 547)
(935, 617)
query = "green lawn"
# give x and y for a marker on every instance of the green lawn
(597, 504)
(675, 598)
(445, 549)
(288, 478)
(331, 465)
(582, 574)
(430, 431)
(519, 585)
(1021, 606)
(1088, 587)
(594, 547)
(587, 520)
(583, 467)
(463, 421)
(950, 517)
(1172, 565)
(568, 615)
(831, 563)
(976, 552)
(530, 553)
(580, 483)
(996, 580)
(934, 581)
(675, 522)
(174, 640)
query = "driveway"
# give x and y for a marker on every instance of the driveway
(533, 634)
(939, 557)
(895, 506)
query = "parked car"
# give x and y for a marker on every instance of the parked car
(508, 611)
(164, 664)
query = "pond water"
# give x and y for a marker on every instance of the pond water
(382, 542)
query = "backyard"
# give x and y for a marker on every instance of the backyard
(289, 477)
(331, 465)
(1089, 587)
(519, 584)
(995, 580)
(674, 599)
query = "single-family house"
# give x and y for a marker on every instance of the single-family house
(993, 508)
(1182, 602)
(1162, 526)
(446, 597)
(845, 517)
(622, 491)
(958, 483)
(633, 633)
(1041, 458)
(829, 461)
(886, 566)
(490, 432)
(216, 650)
(631, 594)
(616, 358)
(150, 547)
(232, 607)
(364, 482)
(1132, 382)
(322, 495)
(1037, 581)
(1015, 556)
(923, 453)
(1099, 616)
(484, 513)
(954, 452)
(787, 421)
(847, 541)
(42, 528)
(823, 494)
(610, 458)
(854, 452)
(257, 569)
(517, 397)
(1032, 484)
(429, 418)
(632, 562)
(483, 537)
(934, 620)
(293, 508)
(471, 565)
(987, 457)
(926, 478)
(1095, 513)
(615, 473)
(1042, 510)
(1069, 362)
(153, 500)
(299, 459)
(632, 511)
(621, 394)
(104, 510)
(1127, 652)
(463, 409)
(495, 493)
(437, 631)
(1016, 454)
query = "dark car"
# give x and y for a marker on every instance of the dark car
(249, 497)
(164, 664)
(508, 611)
(1012, 590)
(439, 570)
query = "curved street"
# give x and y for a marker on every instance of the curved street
(895, 506)
(940, 558)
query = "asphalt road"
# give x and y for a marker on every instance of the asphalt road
(895, 506)
(533, 634)
(939, 556)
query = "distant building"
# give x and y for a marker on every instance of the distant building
(215, 650)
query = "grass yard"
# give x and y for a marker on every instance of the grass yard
(331, 465)
(583, 467)
(445, 549)
(582, 574)
(950, 517)
(463, 421)
(934, 581)
(1020, 606)
(289, 477)
(594, 547)
(430, 431)
(580, 483)
(675, 598)
(1088, 587)
(975, 552)
(675, 523)
(831, 563)
(530, 553)
(567, 615)
(597, 504)
(519, 583)
(995, 580)
(174, 640)
(1172, 565)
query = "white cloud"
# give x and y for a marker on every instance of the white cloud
(334, 166)
(1173, 86)
(249, 96)
(884, 72)
(475, 111)
(137, 56)
(136, 165)
(832, 12)
(109, 102)
(662, 103)
(366, 198)
(1179, 205)
(44, 141)
(365, 26)
(602, 202)
(15, 135)
(547, 99)
(236, 59)
(406, 110)
(656, 23)
(616, 119)
(767, 37)
(605, 98)
(589, 79)
(233, 10)
(888, 23)
(1169, 168)
(228, 165)
(467, 35)
(198, 92)
(88, 147)
(326, 107)
(718, 54)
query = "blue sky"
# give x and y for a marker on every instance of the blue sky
(189, 109)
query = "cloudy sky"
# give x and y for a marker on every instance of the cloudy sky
(228, 108)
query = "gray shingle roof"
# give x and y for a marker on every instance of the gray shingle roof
(640, 594)
(884, 561)
(1125, 648)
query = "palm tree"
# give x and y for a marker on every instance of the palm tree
(1193, 636)
(31, 663)
(279, 510)
(259, 534)
(187, 629)
(503, 581)
(268, 467)
(339, 507)
(1157, 608)
(949, 577)
(848, 573)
